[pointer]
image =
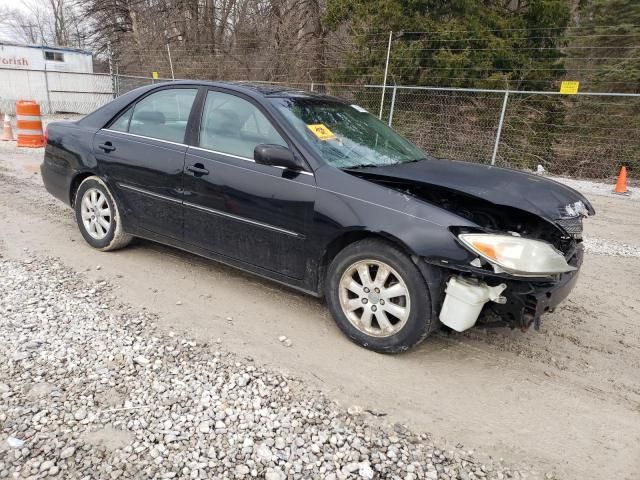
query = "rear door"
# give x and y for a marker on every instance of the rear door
(258, 214)
(142, 155)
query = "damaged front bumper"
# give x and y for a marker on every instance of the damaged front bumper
(527, 301)
(521, 302)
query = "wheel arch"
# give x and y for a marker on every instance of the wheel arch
(434, 276)
(349, 237)
(77, 179)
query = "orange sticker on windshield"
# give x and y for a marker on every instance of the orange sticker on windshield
(321, 131)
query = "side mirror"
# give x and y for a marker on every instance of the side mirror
(276, 156)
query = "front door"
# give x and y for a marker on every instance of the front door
(141, 154)
(235, 207)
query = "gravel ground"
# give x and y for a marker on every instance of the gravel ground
(612, 248)
(90, 389)
(602, 188)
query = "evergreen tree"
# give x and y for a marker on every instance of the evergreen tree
(464, 43)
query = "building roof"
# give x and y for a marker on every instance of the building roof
(46, 47)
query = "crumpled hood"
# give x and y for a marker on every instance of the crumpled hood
(501, 186)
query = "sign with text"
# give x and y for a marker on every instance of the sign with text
(321, 131)
(13, 61)
(569, 87)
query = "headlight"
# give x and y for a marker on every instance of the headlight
(518, 256)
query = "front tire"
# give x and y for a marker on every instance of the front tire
(98, 216)
(378, 297)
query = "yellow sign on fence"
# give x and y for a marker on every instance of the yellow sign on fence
(154, 75)
(569, 87)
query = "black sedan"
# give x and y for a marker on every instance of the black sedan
(315, 193)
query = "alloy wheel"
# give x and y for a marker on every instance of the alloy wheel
(96, 213)
(375, 298)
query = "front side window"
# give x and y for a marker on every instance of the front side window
(346, 136)
(235, 126)
(122, 123)
(163, 115)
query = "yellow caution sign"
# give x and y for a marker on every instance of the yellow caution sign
(569, 87)
(154, 75)
(321, 131)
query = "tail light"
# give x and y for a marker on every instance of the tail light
(46, 136)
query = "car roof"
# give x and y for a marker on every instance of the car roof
(261, 89)
(258, 90)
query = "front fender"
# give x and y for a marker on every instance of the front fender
(347, 203)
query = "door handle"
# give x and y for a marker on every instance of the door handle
(107, 147)
(198, 169)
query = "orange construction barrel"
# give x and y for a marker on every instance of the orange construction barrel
(29, 124)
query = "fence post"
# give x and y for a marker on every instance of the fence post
(386, 71)
(46, 86)
(113, 79)
(173, 77)
(393, 104)
(500, 124)
(117, 81)
(311, 80)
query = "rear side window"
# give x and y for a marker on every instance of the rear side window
(162, 115)
(235, 126)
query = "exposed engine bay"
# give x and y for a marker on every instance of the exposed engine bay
(491, 217)
(471, 293)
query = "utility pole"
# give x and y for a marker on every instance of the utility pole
(168, 39)
(173, 77)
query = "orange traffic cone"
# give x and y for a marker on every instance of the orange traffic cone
(7, 133)
(621, 184)
(29, 123)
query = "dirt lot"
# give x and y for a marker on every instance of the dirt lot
(565, 400)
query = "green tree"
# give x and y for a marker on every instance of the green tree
(606, 56)
(465, 43)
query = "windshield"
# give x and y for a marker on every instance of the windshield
(346, 136)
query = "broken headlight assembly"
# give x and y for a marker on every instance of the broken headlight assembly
(516, 255)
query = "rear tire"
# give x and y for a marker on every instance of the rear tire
(98, 216)
(378, 297)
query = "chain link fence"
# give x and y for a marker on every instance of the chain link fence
(584, 135)
(56, 92)
(588, 135)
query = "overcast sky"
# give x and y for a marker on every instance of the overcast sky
(11, 3)
(4, 34)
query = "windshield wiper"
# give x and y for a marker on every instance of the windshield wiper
(368, 165)
(415, 160)
(364, 165)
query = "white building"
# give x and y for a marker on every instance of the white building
(56, 59)
(59, 79)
